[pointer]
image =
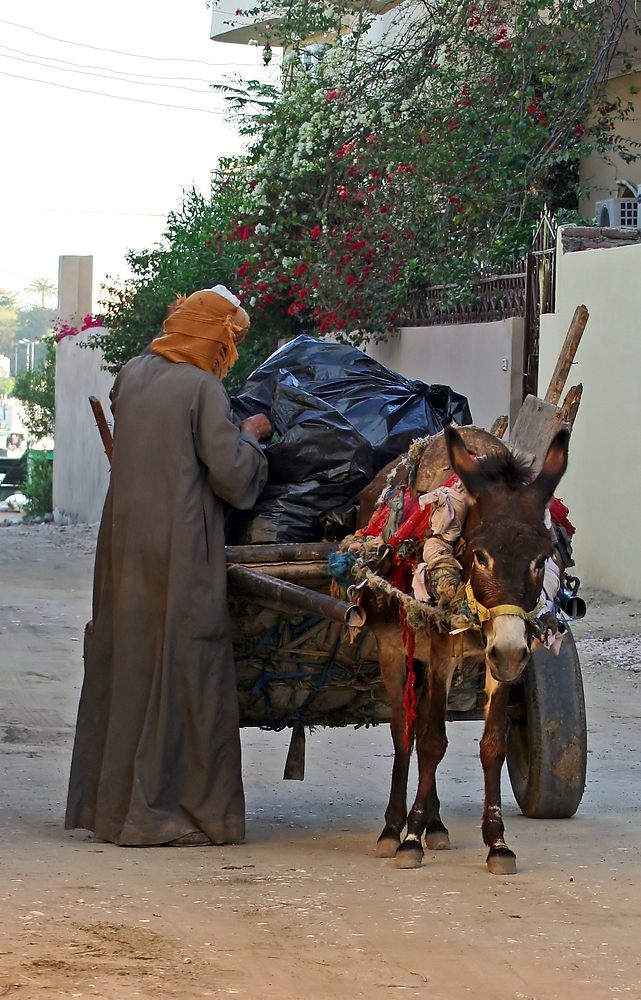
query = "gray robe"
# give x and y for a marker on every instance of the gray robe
(157, 748)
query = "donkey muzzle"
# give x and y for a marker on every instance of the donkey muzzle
(507, 651)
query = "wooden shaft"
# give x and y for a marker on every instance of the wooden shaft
(103, 427)
(285, 552)
(248, 582)
(567, 355)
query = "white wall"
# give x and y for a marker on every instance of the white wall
(80, 467)
(603, 484)
(484, 361)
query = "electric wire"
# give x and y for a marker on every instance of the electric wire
(131, 55)
(108, 69)
(103, 76)
(115, 97)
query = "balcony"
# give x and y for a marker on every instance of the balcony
(228, 25)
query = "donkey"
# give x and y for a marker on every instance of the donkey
(506, 547)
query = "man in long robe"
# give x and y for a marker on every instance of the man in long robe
(156, 758)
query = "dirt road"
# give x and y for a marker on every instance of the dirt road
(304, 909)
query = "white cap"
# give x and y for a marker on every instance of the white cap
(226, 294)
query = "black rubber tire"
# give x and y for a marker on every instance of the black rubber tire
(547, 735)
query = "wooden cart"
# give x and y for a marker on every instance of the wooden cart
(296, 667)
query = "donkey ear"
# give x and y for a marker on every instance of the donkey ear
(462, 462)
(554, 465)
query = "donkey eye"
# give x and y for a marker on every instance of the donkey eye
(482, 559)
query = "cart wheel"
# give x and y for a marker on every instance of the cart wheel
(547, 736)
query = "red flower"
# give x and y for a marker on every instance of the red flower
(579, 131)
(384, 209)
(300, 269)
(370, 138)
(294, 309)
(303, 293)
(243, 269)
(331, 95)
(359, 245)
(452, 124)
(341, 191)
(344, 150)
(315, 283)
(315, 232)
(351, 279)
(409, 233)
(263, 286)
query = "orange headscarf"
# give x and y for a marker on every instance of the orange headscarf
(203, 330)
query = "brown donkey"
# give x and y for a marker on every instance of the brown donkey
(507, 545)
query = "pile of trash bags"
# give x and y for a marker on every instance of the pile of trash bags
(338, 417)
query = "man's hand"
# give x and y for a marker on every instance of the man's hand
(258, 425)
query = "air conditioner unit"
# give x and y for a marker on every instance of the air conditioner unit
(618, 213)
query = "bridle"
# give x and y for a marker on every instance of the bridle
(481, 614)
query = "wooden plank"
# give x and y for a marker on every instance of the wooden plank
(567, 355)
(537, 423)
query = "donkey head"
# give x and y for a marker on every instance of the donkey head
(507, 543)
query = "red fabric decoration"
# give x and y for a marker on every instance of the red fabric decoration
(559, 514)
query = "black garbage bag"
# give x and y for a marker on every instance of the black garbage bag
(307, 479)
(383, 406)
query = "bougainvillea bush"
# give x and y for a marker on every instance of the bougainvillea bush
(196, 252)
(421, 160)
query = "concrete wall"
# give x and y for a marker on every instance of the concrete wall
(484, 361)
(80, 467)
(603, 484)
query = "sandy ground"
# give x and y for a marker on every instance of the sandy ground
(304, 909)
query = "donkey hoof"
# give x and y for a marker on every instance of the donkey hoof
(387, 846)
(409, 854)
(501, 861)
(437, 840)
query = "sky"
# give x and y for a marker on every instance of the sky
(82, 173)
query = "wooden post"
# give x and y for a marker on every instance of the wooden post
(103, 426)
(499, 427)
(567, 355)
(571, 404)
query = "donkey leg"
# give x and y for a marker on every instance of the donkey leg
(500, 859)
(437, 837)
(392, 666)
(431, 744)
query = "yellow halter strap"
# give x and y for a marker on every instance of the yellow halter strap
(484, 614)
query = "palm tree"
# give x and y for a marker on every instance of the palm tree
(42, 287)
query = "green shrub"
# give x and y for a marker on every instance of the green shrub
(39, 486)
